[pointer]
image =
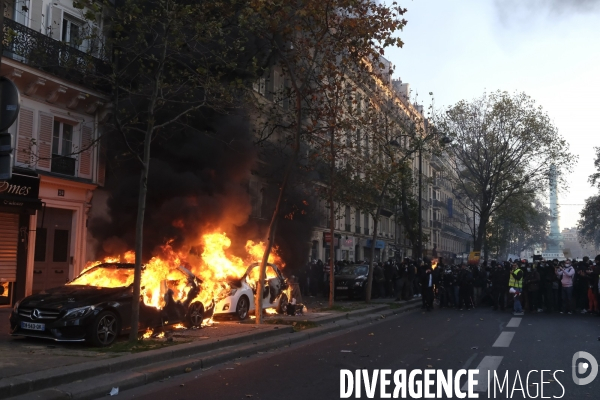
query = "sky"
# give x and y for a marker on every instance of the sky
(549, 49)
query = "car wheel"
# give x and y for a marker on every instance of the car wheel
(195, 315)
(283, 304)
(242, 308)
(104, 329)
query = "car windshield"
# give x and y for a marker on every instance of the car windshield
(106, 275)
(354, 270)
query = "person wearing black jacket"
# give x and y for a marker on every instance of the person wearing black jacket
(388, 272)
(378, 281)
(427, 282)
(446, 288)
(499, 280)
(532, 285)
(401, 280)
(547, 277)
(581, 285)
(412, 281)
(479, 283)
(465, 282)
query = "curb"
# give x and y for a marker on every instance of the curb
(95, 379)
(39, 380)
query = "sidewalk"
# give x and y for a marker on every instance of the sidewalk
(32, 365)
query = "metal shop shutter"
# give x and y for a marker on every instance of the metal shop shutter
(9, 235)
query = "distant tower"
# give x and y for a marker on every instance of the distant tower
(555, 235)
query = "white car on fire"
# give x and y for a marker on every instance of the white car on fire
(240, 299)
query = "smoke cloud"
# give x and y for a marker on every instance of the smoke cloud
(198, 183)
(524, 10)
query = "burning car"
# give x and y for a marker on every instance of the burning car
(96, 306)
(240, 298)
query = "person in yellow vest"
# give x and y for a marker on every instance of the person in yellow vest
(515, 283)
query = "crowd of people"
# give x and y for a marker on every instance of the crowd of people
(541, 286)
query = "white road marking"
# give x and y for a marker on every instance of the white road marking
(504, 339)
(514, 322)
(489, 363)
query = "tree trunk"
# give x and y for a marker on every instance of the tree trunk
(331, 222)
(331, 249)
(273, 224)
(373, 241)
(480, 232)
(139, 239)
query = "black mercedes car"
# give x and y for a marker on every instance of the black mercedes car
(351, 280)
(92, 307)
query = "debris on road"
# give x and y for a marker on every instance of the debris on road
(114, 391)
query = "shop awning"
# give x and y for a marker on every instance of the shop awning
(20, 194)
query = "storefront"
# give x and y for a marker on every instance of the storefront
(346, 248)
(19, 200)
(379, 249)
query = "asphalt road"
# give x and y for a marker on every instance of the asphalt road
(442, 339)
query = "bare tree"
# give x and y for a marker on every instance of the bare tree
(503, 146)
(306, 34)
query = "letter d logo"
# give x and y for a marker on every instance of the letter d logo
(583, 367)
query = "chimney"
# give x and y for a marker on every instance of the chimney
(401, 89)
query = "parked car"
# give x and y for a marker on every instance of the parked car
(239, 300)
(96, 306)
(351, 280)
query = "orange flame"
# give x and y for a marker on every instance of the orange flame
(214, 267)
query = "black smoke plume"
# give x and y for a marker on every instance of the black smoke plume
(198, 182)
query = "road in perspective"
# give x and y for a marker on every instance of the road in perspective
(444, 340)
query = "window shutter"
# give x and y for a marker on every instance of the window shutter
(36, 15)
(55, 23)
(24, 136)
(100, 179)
(45, 141)
(85, 157)
(9, 234)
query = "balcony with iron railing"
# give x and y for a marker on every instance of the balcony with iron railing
(63, 165)
(40, 51)
(438, 204)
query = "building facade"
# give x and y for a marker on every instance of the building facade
(57, 161)
(451, 222)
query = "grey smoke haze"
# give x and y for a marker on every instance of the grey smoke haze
(521, 11)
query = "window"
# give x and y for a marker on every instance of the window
(20, 11)
(61, 245)
(71, 31)
(63, 159)
(40, 244)
(62, 139)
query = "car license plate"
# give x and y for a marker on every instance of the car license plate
(341, 288)
(32, 326)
